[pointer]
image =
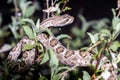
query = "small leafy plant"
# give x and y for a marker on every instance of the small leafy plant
(98, 36)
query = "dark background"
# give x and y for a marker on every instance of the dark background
(93, 9)
(90, 9)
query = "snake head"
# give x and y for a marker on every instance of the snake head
(55, 21)
(64, 20)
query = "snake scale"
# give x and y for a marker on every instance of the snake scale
(64, 55)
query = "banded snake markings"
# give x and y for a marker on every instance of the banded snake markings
(64, 55)
(28, 56)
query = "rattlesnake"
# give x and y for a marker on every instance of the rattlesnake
(64, 55)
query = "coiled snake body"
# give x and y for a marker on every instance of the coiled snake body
(66, 56)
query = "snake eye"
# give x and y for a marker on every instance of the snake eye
(45, 36)
(67, 20)
(63, 22)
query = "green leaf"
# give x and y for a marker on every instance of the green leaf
(46, 30)
(102, 62)
(76, 43)
(31, 22)
(115, 19)
(29, 11)
(92, 38)
(28, 32)
(61, 69)
(56, 77)
(105, 34)
(83, 20)
(66, 9)
(45, 58)
(27, 8)
(76, 31)
(9, 1)
(96, 36)
(100, 24)
(118, 59)
(58, 11)
(14, 27)
(53, 63)
(63, 36)
(115, 45)
(113, 11)
(39, 47)
(24, 7)
(53, 59)
(14, 31)
(118, 77)
(3, 32)
(28, 47)
(1, 19)
(28, 20)
(79, 79)
(116, 31)
(42, 78)
(21, 4)
(86, 76)
(38, 24)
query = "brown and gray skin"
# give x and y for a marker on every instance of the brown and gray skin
(56, 21)
(66, 56)
(75, 57)
(27, 56)
(52, 21)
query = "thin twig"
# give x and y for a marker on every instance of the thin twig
(98, 60)
(89, 49)
(16, 7)
(64, 5)
(54, 2)
(65, 72)
(47, 3)
(118, 14)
